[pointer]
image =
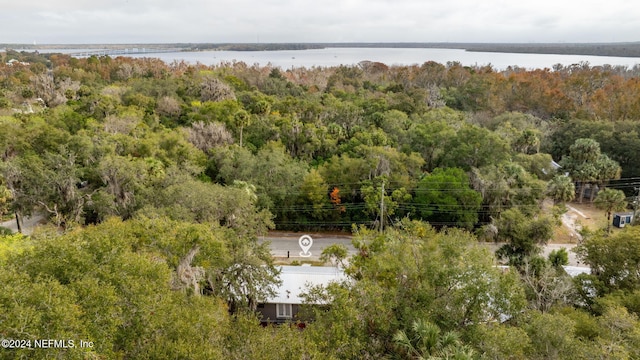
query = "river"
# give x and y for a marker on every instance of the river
(327, 57)
(287, 59)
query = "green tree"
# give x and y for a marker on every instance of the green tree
(241, 119)
(506, 186)
(527, 142)
(434, 121)
(474, 147)
(587, 165)
(395, 124)
(315, 192)
(123, 179)
(5, 199)
(139, 293)
(446, 198)
(619, 335)
(539, 164)
(12, 244)
(581, 162)
(428, 139)
(34, 309)
(48, 183)
(406, 273)
(111, 284)
(183, 198)
(523, 236)
(614, 260)
(559, 257)
(608, 169)
(610, 200)
(276, 175)
(378, 203)
(552, 336)
(334, 253)
(427, 342)
(246, 339)
(501, 341)
(561, 189)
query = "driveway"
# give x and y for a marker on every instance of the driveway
(28, 223)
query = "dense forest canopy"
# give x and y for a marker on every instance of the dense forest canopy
(123, 125)
(156, 180)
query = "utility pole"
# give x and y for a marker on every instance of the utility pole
(18, 223)
(382, 206)
(636, 203)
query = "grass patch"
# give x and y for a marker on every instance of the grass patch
(296, 262)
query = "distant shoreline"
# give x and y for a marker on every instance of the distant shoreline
(628, 49)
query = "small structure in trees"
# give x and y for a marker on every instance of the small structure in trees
(622, 219)
(610, 200)
(296, 280)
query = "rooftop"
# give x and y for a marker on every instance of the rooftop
(297, 280)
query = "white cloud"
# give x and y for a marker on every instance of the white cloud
(121, 21)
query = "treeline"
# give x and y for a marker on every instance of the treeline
(624, 49)
(258, 46)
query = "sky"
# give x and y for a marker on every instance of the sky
(278, 21)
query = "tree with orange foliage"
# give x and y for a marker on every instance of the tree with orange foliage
(336, 201)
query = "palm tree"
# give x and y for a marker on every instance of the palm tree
(610, 200)
(242, 119)
(428, 343)
(561, 189)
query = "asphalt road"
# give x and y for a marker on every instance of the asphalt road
(283, 242)
(28, 224)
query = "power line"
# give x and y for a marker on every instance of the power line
(356, 206)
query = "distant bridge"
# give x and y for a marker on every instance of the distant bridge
(123, 51)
